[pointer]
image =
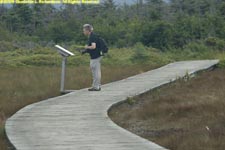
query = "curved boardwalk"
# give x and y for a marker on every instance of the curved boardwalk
(79, 120)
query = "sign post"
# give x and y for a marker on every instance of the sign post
(64, 53)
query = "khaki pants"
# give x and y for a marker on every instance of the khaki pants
(95, 65)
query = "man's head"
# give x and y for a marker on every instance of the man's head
(87, 29)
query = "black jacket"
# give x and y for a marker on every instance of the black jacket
(94, 53)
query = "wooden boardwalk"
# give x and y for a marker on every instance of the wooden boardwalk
(79, 120)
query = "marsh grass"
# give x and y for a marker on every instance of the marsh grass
(180, 116)
(21, 86)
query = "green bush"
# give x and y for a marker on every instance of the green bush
(197, 46)
(140, 54)
(158, 35)
(156, 57)
(6, 46)
(215, 43)
(222, 63)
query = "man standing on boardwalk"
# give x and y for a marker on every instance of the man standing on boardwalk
(95, 54)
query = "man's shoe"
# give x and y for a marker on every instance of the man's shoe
(94, 89)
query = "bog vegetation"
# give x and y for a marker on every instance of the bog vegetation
(180, 30)
(185, 115)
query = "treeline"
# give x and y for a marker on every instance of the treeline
(154, 23)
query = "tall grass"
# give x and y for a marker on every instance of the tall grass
(25, 85)
(180, 116)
